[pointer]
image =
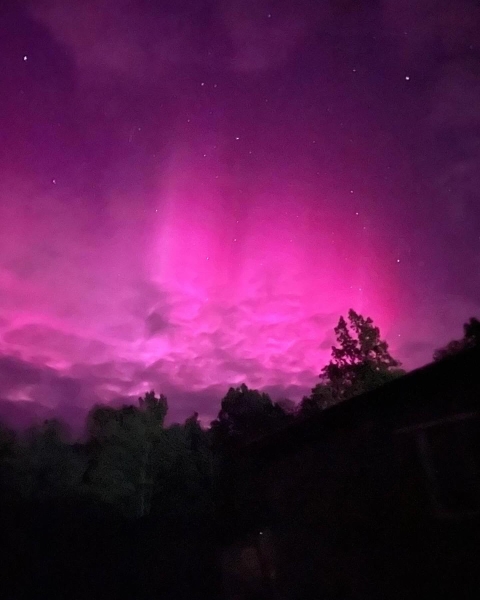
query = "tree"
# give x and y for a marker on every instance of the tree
(360, 362)
(8, 442)
(125, 446)
(247, 413)
(42, 465)
(154, 408)
(184, 488)
(321, 397)
(470, 340)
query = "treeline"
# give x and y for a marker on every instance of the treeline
(155, 494)
(128, 512)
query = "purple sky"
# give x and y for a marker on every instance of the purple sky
(193, 192)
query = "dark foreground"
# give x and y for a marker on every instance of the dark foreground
(78, 552)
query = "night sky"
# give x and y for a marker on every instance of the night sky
(192, 192)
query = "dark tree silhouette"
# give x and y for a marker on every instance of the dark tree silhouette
(247, 413)
(127, 446)
(321, 397)
(471, 339)
(360, 362)
(155, 408)
(42, 465)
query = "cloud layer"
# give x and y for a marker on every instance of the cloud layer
(194, 193)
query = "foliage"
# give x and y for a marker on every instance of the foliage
(246, 413)
(360, 362)
(470, 340)
(42, 465)
(177, 484)
(126, 451)
(185, 480)
(321, 397)
(138, 466)
(134, 464)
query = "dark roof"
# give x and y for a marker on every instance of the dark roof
(400, 402)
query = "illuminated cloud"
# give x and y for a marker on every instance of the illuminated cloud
(193, 194)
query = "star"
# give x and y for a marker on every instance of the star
(25, 58)
(407, 77)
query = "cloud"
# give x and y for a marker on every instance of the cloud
(19, 415)
(418, 352)
(278, 393)
(101, 298)
(145, 297)
(156, 324)
(249, 341)
(16, 373)
(55, 344)
(31, 393)
(21, 379)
